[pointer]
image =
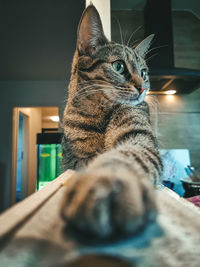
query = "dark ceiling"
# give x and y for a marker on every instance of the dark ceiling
(37, 38)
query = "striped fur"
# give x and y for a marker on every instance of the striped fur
(108, 137)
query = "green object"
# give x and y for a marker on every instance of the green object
(49, 163)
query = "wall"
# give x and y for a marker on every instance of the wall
(22, 94)
(176, 121)
(52, 124)
(46, 114)
(179, 123)
(186, 39)
(38, 38)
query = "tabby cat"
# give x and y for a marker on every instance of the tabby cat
(108, 137)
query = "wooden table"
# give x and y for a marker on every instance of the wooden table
(33, 234)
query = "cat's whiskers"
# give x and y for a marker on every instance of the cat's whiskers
(120, 30)
(92, 91)
(92, 80)
(157, 47)
(93, 86)
(103, 83)
(110, 91)
(96, 87)
(151, 57)
(93, 83)
(133, 34)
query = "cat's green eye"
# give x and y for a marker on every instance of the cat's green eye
(144, 74)
(118, 66)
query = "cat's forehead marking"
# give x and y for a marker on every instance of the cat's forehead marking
(131, 59)
(122, 52)
(112, 58)
(130, 54)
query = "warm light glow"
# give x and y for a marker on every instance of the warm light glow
(170, 92)
(170, 98)
(54, 118)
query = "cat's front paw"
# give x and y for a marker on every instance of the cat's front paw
(104, 205)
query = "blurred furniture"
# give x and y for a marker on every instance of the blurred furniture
(33, 234)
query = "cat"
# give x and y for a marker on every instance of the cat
(108, 138)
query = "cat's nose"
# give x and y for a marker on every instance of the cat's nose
(140, 89)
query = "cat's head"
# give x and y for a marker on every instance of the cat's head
(119, 71)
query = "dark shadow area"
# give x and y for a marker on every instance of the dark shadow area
(140, 239)
(2, 185)
(25, 252)
(99, 261)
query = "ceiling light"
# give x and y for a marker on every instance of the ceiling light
(54, 118)
(170, 92)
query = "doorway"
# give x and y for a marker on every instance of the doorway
(27, 123)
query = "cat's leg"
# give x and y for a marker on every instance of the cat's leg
(115, 193)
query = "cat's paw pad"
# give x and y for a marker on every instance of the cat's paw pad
(103, 205)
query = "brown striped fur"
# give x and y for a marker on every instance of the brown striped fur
(108, 136)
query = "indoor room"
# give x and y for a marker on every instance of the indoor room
(100, 136)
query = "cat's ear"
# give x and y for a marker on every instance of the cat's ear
(90, 31)
(143, 47)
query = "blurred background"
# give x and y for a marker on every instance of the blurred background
(37, 42)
